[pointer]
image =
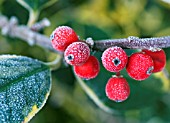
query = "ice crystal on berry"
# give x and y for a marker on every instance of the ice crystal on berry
(77, 53)
(63, 36)
(114, 59)
(117, 89)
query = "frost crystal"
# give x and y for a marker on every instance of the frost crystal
(24, 82)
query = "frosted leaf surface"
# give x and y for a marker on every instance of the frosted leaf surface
(24, 83)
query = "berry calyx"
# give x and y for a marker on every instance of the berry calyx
(62, 36)
(89, 69)
(159, 59)
(117, 89)
(140, 66)
(77, 53)
(114, 59)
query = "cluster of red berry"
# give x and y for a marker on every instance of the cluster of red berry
(76, 52)
(139, 65)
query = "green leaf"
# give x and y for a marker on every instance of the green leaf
(34, 7)
(143, 93)
(36, 4)
(65, 76)
(25, 84)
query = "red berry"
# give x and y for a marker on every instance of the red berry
(159, 59)
(89, 69)
(77, 53)
(139, 66)
(117, 89)
(62, 36)
(114, 59)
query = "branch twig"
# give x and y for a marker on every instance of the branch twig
(23, 32)
(134, 43)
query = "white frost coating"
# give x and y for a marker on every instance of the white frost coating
(8, 56)
(40, 25)
(31, 40)
(13, 20)
(114, 59)
(62, 35)
(79, 50)
(154, 49)
(7, 28)
(64, 29)
(90, 41)
(26, 82)
(132, 38)
(45, 22)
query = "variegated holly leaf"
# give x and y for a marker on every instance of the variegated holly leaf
(25, 84)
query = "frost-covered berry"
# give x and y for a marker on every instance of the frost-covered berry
(62, 36)
(114, 59)
(89, 69)
(140, 66)
(77, 53)
(159, 59)
(117, 89)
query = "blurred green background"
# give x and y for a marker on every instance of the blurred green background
(99, 19)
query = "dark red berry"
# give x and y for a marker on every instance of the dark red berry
(140, 66)
(114, 59)
(117, 89)
(159, 59)
(77, 53)
(62, 36)
(89, 69)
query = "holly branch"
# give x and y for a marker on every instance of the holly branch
(11, 28)
(133, 42)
